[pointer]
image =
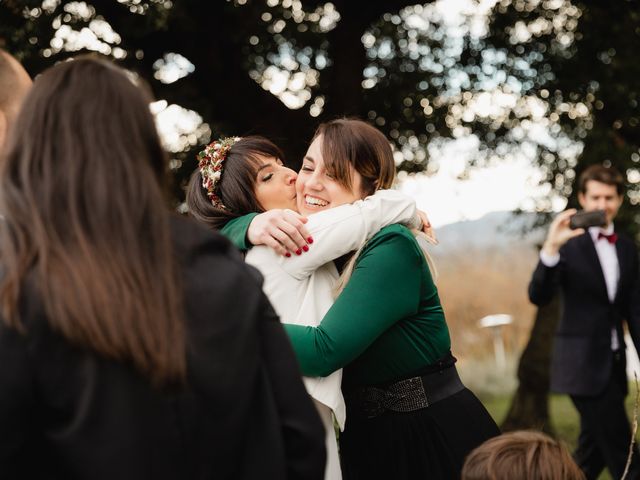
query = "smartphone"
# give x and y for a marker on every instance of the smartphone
(584, 219)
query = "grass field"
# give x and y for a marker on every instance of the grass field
(473, 284)
(564, 416)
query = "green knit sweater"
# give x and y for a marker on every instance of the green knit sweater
(386, 324)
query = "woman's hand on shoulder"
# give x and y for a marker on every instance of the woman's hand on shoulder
(427, 229)
(280, 230)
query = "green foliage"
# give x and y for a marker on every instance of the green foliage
(232, 46)
(554, 78)
(580, 58)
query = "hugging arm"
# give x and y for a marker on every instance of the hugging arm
(346, 228)
(236, 231)
(338, 230)
(384, 288)
(281, 230)
(334, 232)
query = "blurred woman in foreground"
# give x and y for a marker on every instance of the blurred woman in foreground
(124, 349)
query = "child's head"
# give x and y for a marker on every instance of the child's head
(521, 455)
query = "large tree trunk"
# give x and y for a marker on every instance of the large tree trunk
(530, 404)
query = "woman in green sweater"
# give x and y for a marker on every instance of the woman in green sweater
(408, 413)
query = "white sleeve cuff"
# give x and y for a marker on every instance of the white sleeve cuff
(549, 260)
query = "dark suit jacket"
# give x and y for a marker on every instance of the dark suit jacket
(66, 413)
(582, 360)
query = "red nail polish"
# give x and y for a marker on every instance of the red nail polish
(305, 248)
(287, 254)
(310, 240)
(298, 252)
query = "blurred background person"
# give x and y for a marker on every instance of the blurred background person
(14, 85)
(133, 344)
(522, 455)
(597, 273)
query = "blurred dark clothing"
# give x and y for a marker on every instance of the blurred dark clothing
(583, 363)
(582, 360)
(605, 433)
(404, 445)
(66, 413)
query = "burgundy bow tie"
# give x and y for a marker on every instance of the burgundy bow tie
(611, 238)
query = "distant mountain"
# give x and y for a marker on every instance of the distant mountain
(494, 230)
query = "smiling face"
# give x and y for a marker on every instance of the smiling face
(317, 189)
(274, 184)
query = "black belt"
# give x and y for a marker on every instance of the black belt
(405, 395)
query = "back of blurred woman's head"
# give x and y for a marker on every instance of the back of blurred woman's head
(525, 455)
(81, 192)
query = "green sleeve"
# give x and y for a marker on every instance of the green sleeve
(236, 231)
(384, 288)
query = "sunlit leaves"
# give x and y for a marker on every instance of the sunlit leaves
(284, 54)
(172, 67)
(580, 59)
(178, 127)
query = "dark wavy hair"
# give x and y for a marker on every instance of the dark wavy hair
(83, 199)
(236, 187)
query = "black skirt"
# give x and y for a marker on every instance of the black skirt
(428, 444)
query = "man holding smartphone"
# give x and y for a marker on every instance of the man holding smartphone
(596, 269)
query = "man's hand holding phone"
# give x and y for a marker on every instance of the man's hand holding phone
(586, 219)
(560, 232)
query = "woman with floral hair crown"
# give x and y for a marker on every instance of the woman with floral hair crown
(408, 414)
(236, 180)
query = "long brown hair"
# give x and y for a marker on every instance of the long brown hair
(349, 142)
(236, 187)
(353, 143)
(81, 192)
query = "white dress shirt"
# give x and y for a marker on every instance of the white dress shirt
(608, 257)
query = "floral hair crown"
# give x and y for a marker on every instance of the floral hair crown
(211, 162)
